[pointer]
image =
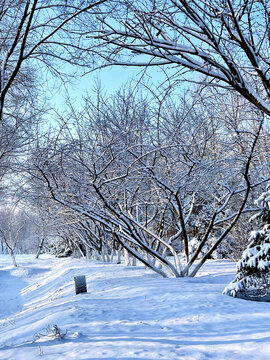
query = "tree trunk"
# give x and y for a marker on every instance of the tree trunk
(118, 261)
(127, 258)
(40, 247)
(12, 255)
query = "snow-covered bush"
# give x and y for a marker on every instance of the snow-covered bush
(252, 280)
(60, 248)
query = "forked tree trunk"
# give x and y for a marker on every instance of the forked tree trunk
(12, 255)
(97, 255)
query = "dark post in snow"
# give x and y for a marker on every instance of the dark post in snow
(80, 284)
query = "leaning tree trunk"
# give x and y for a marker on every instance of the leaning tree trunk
(40, 247)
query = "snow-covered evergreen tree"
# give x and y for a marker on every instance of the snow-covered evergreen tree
(252, 280)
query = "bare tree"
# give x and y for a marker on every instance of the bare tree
(144, 175)
(36, 36)
(41, 32)
(11, 226)
(227, 42)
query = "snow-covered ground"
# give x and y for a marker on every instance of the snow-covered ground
(128, 313)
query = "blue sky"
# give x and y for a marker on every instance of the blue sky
(111, 80)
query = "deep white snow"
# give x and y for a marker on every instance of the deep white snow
(128, 313)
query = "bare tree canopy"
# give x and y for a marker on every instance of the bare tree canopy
(44, 31)
(36, 35)
(126, 172)
(227, 42)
